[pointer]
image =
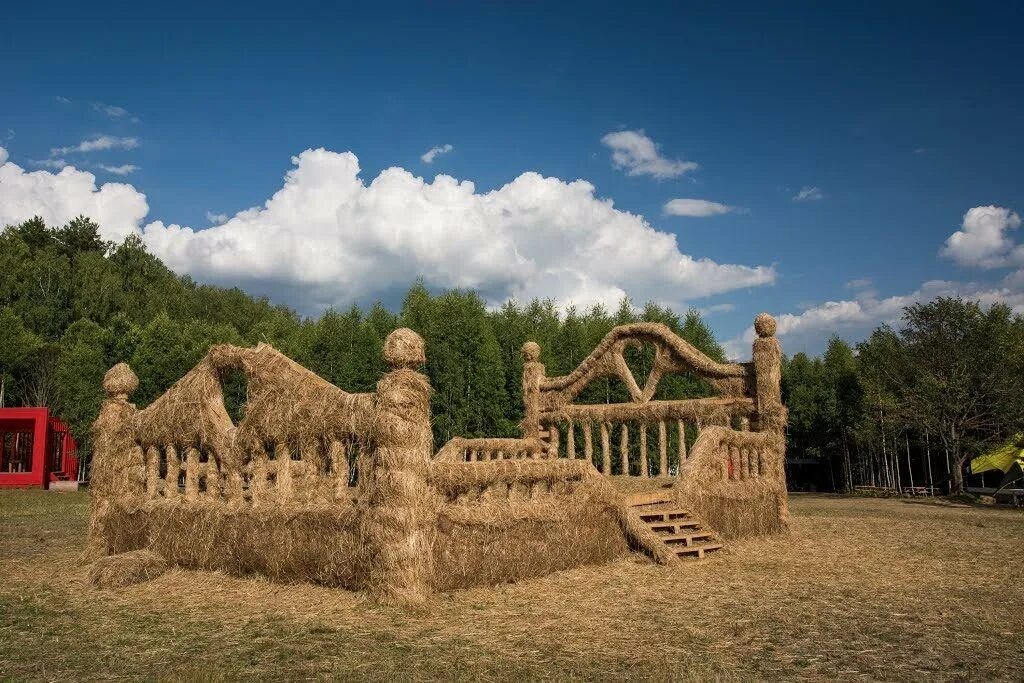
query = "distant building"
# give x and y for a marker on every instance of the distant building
(36, 450)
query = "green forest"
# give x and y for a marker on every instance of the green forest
(906, 406)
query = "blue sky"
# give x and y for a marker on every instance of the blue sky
(894, 122)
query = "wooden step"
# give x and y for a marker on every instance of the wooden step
(649, 498)
(674, 526)
(696, 550)
(663, 515)
(674, 539)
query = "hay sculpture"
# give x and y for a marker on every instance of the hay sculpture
(317, 484)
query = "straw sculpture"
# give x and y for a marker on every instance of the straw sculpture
(317, 484)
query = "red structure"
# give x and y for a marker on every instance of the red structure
(36, 449)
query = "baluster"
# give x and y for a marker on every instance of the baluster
(311, 471)
(734, 459)
(588, 442)
(213, 486)
(191, 473)
(606, 451)
(283, 460)
(755, 463)
(643, 451)
(682, 445)
(570, 441)
(338, 455)
(624, 448)
(258, 474)
(232, 480)
(554, 441)
(662, 449)
(152, 471)
(744, 424)
(744, 464)
(173, 472)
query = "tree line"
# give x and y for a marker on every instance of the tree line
(904, 405)
(72, 305)
(909, 406)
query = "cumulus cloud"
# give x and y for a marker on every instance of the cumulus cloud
(697, 208)
(983, 240)
(335, 239)
(98, 143)
(123, 169)
(808, 193)
(59, 197)
(434, 152)
(327, 238)
(854, 318)
(216, 218)
(638, 154)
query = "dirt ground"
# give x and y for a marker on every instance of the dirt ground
(860, 589)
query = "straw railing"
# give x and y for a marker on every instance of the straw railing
(646, 437)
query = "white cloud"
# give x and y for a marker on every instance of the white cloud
(110, 110)
(56, 164)
(327, 238)
(62, 100)
(59, 197)
(717, 308)
(216, 218)
(633, 151)
(697, 208)
(123, 169)
(855, 318)
(860, 283)
(333, 239)
(434, 152)
(808, 193)
(98, 143)
(982, 240)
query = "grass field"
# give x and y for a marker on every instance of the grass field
(862, 588)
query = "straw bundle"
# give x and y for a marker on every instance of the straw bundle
(117, 460)
(400, 509)
(116, 571)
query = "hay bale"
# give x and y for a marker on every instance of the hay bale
(287, 542)
(125, 569)
(501, 541)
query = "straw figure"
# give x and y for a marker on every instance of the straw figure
(317, 484)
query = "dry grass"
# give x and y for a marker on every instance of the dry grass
(863, 588)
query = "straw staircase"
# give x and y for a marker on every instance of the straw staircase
(677, 528)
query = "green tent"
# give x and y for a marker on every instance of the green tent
(1008, 458)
